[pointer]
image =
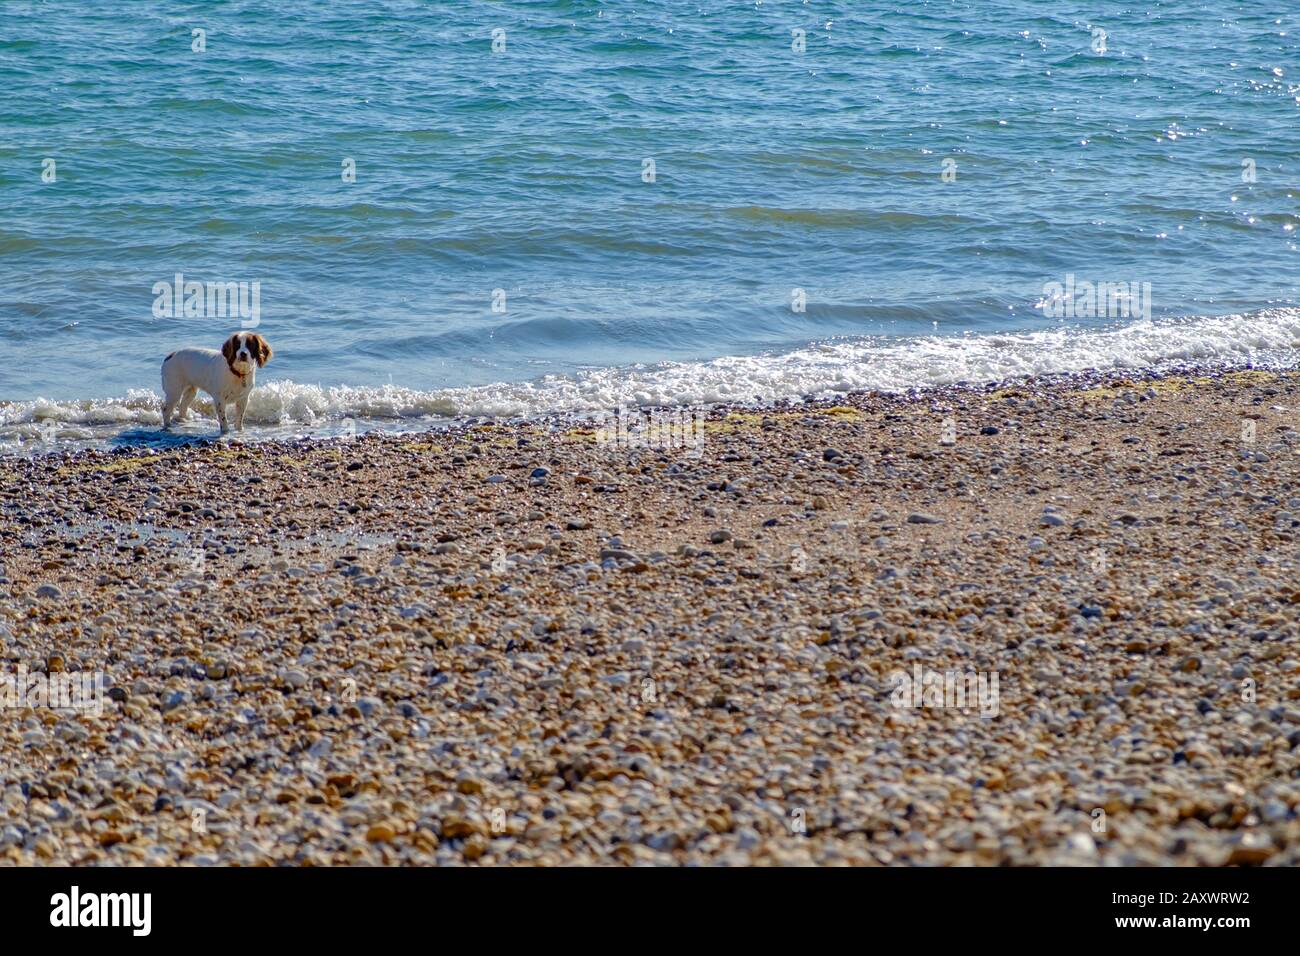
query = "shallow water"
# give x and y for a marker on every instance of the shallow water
(523, 171)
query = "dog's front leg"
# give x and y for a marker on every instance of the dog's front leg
(239, 413)
(221, 416)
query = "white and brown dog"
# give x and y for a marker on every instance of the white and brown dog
(228, 376)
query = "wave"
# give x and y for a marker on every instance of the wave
(821, 370)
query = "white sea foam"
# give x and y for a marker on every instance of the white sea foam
(821, 370)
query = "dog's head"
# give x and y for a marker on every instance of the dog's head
(243, 349)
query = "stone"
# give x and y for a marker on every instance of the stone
(919, 517)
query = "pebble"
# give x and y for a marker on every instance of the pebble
(920, 517)
(324, 702)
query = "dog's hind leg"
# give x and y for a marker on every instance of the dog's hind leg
(169, 404)
(184, 410)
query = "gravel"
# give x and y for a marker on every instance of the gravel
(739, 697)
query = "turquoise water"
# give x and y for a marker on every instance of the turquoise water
(522, 171)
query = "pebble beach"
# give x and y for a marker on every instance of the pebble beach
(523, 643)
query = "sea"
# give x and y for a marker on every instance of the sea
(436, 211)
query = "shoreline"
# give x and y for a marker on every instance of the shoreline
(147, 435)
(414, 648)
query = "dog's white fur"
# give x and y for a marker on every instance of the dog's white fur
(228, 376)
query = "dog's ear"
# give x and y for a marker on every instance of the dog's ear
(263, 351)
(230, 348)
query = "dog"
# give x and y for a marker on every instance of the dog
(228, 376)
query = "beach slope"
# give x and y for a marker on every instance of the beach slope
(1053, 622)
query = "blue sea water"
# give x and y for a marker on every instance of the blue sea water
(795, 146)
